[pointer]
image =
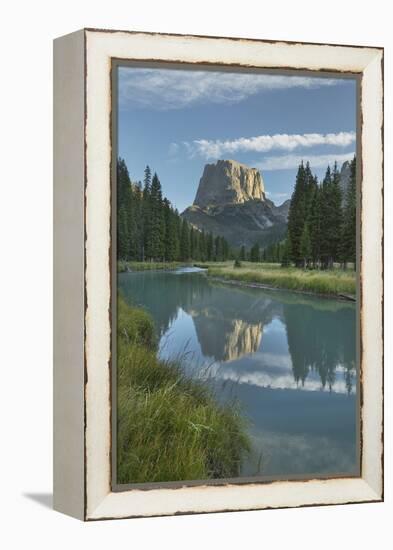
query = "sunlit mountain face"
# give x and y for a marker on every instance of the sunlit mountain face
(287, 360)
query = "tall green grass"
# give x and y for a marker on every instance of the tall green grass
(170, 427)
(332, 282)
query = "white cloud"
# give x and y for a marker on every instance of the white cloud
(274, 371)
(286, 162)
(164, 89)
(173, 148)
(210, 149)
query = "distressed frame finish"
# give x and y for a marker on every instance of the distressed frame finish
(82, 371)
(115, 65)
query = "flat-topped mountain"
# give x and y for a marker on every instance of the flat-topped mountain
(229, 182)
(231, 202)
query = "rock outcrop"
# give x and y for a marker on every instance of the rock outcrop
(231, 202)
(229, 182)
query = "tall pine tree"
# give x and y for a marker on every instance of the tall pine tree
(348, 236)
(255, 253)
(156, 245)
(305, 245)
(185, 242)
(314, 224)
(146, 215)
(331, 217)
(297, 213)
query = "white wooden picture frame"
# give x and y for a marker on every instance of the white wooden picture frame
(82, 271)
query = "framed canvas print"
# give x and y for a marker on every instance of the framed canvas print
(218, 274)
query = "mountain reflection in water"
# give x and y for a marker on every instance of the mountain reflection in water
(280, 354)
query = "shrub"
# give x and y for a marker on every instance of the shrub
(134, 325)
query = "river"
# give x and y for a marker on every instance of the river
(288, 360)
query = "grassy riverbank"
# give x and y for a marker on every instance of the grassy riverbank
(123, 266)
(169, 427)
(332, 282)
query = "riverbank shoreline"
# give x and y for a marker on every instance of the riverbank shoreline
(262, 286)
(335, 284)
(170, 427)
(131, 267)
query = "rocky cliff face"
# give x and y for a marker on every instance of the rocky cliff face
(231, 202)
(229, 182)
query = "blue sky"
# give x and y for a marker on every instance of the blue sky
(178, 120)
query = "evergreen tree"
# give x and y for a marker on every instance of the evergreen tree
(330, 234)
(192, 242)
(123, 182)
(348, 237)
(147, 177)
(331, 217)
(203, 246)
(185, 242)
(242, 255)
(314, 225)
(225, 249)
(277, 252)
(156, 236)
(122, 233)
(311, 186)
(297, 213)
(305, 245)
(127, 234)
(146, 216)
(178, 228)
(336, 212)
(286, 254)
(210, 247)
(254, 253)
(136, 225)
(197, 245)
(170, 233)
(218, 249)
(325, 192)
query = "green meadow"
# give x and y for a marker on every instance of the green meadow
(331, 282)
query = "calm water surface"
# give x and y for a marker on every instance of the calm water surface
(287, 359)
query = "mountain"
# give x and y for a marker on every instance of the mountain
(229, 182)
(231, 202)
